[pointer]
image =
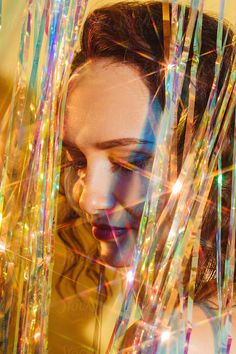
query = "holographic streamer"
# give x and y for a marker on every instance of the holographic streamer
(174, 93)
(157, 276)
(207, 152)
(187, 143)
(166, 303)
(221, 337)
(188, 137)
(228, 115)
(166, 29)
(174, 83)
(146, 250)
(30, 172)
(171, 47)
(193, 82)
(218, 245)
(230, 257)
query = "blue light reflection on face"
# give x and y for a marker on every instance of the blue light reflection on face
(123, 111)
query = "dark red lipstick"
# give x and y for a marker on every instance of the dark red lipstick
(105, 232)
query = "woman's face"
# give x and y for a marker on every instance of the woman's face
(109, 144)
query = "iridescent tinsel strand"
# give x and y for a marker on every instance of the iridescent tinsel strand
(34, 128)
(184, 234)
(144, 254)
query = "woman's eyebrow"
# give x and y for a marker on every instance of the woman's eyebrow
(121, 142)
(109, 144)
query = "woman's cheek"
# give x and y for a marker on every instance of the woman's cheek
(135, 191)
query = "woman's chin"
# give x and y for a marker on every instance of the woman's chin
(117, 255)
(115, 262)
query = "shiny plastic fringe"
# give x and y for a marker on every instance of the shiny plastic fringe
(30, 166)
(157, 285)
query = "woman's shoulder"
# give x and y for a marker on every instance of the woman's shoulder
(205, 333)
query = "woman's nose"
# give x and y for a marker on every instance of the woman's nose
(96, 191)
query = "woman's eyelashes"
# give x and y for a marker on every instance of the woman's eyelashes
(138, 163)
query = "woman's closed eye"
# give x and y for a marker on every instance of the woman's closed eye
(135, 162)
(139, 163)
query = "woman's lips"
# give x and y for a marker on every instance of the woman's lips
(108, 233)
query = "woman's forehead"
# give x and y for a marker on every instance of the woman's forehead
(107, 99)
(108, 76)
